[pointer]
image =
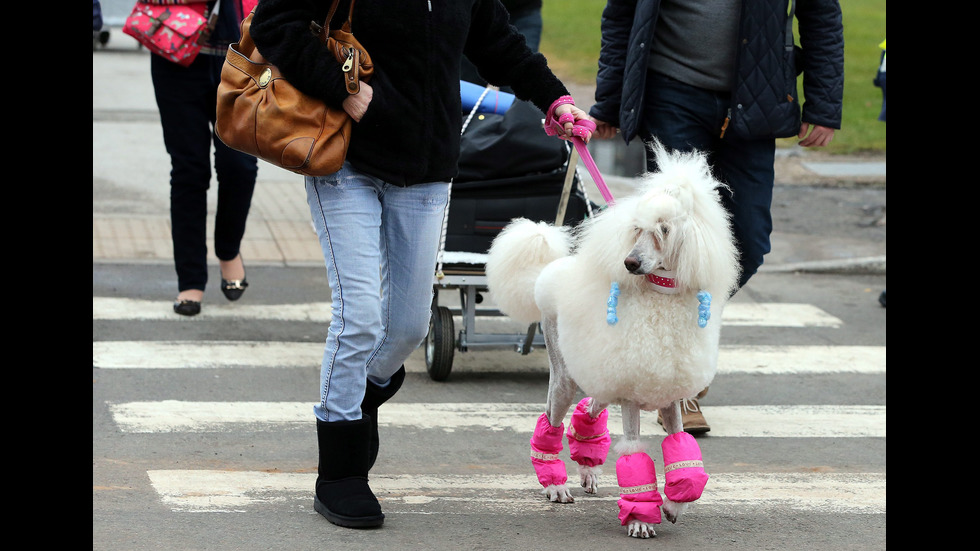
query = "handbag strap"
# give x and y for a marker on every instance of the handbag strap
(323, 31)
(205, 36)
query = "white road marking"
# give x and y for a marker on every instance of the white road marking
(110, 308)
(808, 421)
(765, 360)
(736, 313)
(188, 491)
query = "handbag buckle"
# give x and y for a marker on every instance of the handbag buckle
(265, 77)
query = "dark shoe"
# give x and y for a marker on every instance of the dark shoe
(694, 422)
(187, 307)
(233, 288)
(881, 299)
(342, 493)
(374, 396)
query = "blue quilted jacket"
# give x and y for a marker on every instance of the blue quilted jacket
(764, 103)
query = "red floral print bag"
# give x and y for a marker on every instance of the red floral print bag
(172, 29)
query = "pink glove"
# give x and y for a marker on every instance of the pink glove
(555, 126)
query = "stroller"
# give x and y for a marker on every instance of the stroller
(508, 168)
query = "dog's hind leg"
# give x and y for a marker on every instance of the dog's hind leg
(546, 440)
(588, 441)
(639, 500)
(684, 472)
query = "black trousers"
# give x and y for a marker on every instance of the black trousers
(186, 97)
(683, 118)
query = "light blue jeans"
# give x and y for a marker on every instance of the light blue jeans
(379, 243)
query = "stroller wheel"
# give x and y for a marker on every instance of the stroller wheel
(439, 346)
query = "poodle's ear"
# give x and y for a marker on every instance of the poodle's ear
(707, 257)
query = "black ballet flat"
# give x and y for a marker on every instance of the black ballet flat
(187, 307)
(234, 288)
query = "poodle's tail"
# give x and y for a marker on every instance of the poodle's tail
(516, 258)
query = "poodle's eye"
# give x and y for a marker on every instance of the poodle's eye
(665, 229)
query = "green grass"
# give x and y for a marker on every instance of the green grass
(571, 37)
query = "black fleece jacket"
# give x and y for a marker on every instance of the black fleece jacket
(410, 132)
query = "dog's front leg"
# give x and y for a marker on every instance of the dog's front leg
(671, 415)
(684, 472)
(639, 501)
(588, 441)
(546, 440)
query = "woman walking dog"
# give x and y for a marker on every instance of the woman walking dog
(384, 208)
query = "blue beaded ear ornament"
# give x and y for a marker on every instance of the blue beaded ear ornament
(611, 304)
(704, 308)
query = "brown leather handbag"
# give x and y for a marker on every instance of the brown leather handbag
(260, 113)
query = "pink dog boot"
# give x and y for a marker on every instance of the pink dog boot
(588, 442)
(683, 469)
(588, 438)
(545, 445)
(638, 495)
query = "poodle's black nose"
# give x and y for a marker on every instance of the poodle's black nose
(632, 264)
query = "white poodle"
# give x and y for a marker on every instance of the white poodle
(630, 305)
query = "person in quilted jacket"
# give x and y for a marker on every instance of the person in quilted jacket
(721, 76)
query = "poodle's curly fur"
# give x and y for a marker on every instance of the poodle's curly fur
(656, 353)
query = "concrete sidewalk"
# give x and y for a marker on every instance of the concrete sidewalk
(131, 193)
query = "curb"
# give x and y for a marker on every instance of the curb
(870, 265)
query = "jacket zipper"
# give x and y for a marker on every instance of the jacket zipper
(738, 51)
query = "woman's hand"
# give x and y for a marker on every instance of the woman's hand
(357, 104)
(570, 108)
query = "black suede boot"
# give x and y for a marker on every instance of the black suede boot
(342, 492)
(374, 396)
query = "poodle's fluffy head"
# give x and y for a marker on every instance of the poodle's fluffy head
(676, 223)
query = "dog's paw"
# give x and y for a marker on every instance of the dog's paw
(673, 510)
(590, 478)
(638, 529)
(559, 494)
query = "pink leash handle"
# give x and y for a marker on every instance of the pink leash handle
(556, 127)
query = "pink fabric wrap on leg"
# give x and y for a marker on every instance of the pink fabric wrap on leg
(638, 495)
(684, 472)
(588, 438)
(545, 445)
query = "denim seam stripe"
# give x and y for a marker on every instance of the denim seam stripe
(386, 293)
(324, 390)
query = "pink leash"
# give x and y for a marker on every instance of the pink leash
(554, 127)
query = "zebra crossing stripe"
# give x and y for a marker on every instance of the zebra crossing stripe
(760, 359)
(807, 421)
(110, 308)
(204, 354)
(736, 313)
(190, 491)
